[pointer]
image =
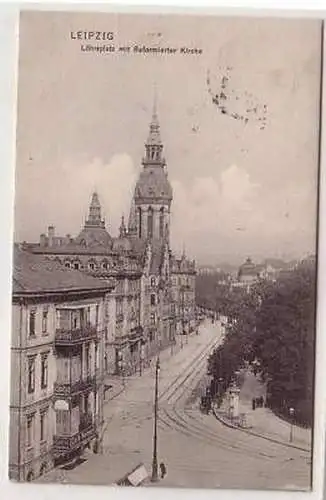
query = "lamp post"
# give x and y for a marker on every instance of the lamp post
(121, 367)
(142, 356)
(219, 387)
(154, 462)
(291, 412)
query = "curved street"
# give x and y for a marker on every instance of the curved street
(197, 449)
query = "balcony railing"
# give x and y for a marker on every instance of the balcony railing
(66, 389)
(66, 444)
(86, 421)
(65, 336)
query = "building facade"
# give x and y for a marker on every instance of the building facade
(57, 372)
(154, 297)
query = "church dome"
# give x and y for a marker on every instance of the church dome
(122, 245)
(94, 236)
(248, 268)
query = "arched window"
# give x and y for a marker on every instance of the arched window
(139, 223)
(91, 266)
(161, 222)
(150, 223)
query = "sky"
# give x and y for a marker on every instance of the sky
(243, 166)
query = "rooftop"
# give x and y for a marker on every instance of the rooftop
(37, 274)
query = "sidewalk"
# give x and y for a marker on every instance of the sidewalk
(262, 421)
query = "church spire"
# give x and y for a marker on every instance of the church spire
(132, 222)
(153, 145)
(122, 229)
(183, 256)
(94, 216)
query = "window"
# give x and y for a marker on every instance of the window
(119, 307)
(62, 422)
(76, 265)
(161, 224)
(150, 223)
(43, 416)
(96, 357)
(152, 300)
(32, 316)
(91, 266)
(153, 318)
(139, 223)
(97, 314)
(45, 320)
(67, 265)
(152, 281)
(87, 356)
(44, 371)
(104, 266)
(30, 430)
(31, 375)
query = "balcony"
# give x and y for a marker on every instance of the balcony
(66, 337)
(63, 445)
(66, 390)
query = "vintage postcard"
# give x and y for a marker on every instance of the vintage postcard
(164, 272)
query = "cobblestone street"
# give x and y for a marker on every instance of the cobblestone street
(198, 450)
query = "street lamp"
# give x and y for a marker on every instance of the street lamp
(291, 412)
(154, 463)
(219, 386)
(121, 367)
(142, 356)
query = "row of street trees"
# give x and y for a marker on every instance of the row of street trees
(274, 325)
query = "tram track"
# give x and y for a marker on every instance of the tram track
(196, 364)
(189, 425)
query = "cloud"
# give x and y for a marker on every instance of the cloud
(65, 195)
(227, 214)
(210, 210)
(231, 215)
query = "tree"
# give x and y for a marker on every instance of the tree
(275, 324)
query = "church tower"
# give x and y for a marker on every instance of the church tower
(151, 204)
(94, 216)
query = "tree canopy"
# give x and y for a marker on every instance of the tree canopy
(274, 324)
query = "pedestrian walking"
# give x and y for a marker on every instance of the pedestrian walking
(253, 402)
(163, 470)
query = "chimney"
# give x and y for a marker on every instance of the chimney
(51, 235)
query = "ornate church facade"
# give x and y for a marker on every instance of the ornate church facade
(154, 296)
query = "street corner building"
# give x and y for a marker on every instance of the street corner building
(90, 307)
